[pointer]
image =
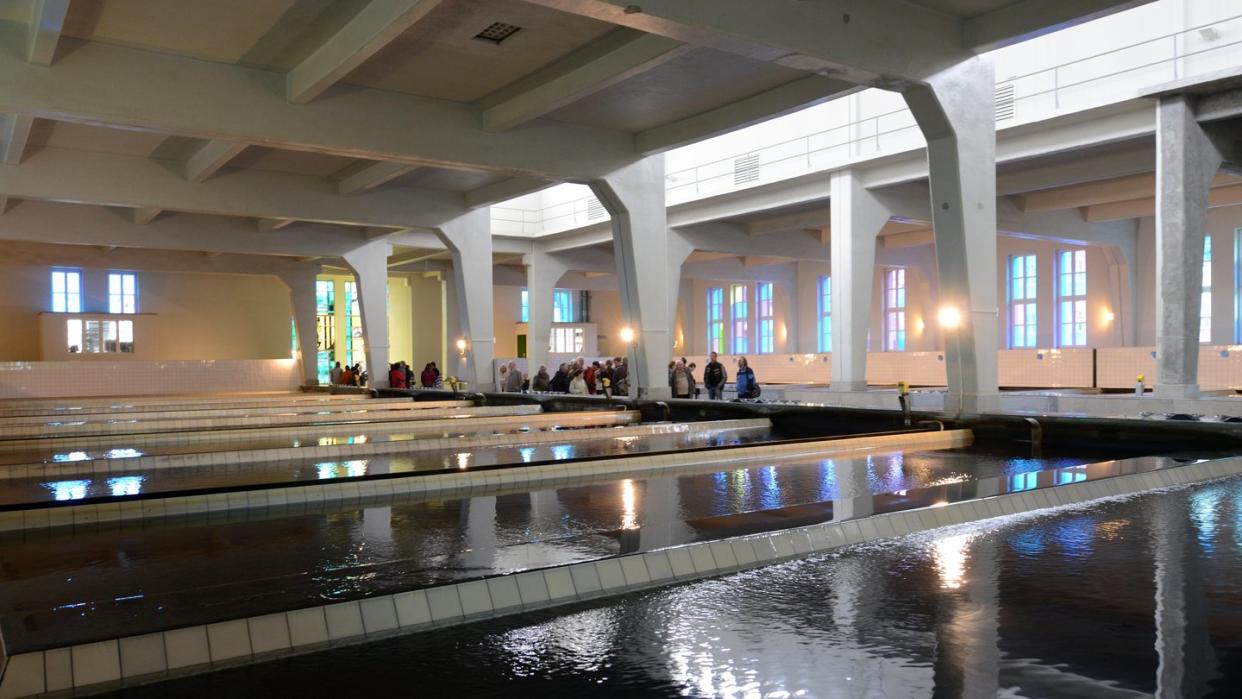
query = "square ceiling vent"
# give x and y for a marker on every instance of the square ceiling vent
(497, 32)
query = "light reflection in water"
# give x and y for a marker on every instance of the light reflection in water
(950, 554)
(125, 485)
(769, 489)
(1205, 513)
(563, 451)
(70, 456)
(68, 490)
(123, 453)
(463, 460)
(629, 514)
(528, 454)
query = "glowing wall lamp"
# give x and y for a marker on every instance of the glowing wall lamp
(950, 317)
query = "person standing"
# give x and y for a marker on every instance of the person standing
(588, 375)
(560, 380)
(714, 377)
(681, 381)
(513, 381)
(747, 386)
(540, 382)
(334, 376)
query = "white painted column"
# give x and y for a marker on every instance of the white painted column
(955, 111)
(469, 239)
(542, 275)
(1186, 163)
(369, 264)
(634, 196)
(302, 298)
(857, 217)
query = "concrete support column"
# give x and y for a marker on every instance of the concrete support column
(634, 197)
(302, 298)
(955, 111)
(679, 250)
(542, 275)
(1186, 659)
(857, 217)
(369, 264)
(469, 239)
(1186, 163)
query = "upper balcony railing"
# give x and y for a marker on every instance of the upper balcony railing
(1118, 74)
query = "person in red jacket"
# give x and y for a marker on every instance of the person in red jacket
(588, 375)
(396, 376)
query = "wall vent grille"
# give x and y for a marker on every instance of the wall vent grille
(595, 209)
(1004, 102)
(746, 169)
(497, 32)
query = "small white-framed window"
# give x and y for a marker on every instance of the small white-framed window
(824, 299)
(66, 291)
(1023, 282)
(567, 340)
(765, 312)
(122, 292)
(740, 309)
(895, 310)
(1072, 298)
(524, 313)
(99, 336)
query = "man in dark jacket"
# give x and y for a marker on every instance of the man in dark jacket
(714, 377)
(560, 380)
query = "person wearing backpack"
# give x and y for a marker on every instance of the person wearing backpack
(714, 377)
(747, 386)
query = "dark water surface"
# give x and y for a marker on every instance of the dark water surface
(1126, 598)
(62, 586)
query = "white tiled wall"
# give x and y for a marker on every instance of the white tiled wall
(52, 379)
(1045, 368)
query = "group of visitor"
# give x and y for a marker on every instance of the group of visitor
(400, 375)
(348, 376)
(610, 377)
(682, 382)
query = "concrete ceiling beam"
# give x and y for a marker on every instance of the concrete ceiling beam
(209, 158)
(504, 190)
(373, 28)
(850, 40)
(76, 224)
(1100, 192)
(371, 176)
(1138, 208)
(619, 55)
(1027, 19)
(118, 180)
(16, 135)
(145, 214)
(778, 101)
(815, 218)
(47, 20)
(117, 86)
(268, 225)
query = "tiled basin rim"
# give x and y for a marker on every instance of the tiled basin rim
(310, 497)
(152, 657)
(366, 449)
(419, 426)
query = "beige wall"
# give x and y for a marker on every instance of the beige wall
(186, 315)
(506, 310)
(606, 314)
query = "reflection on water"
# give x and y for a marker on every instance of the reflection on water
(68, 490)
(1123, 599)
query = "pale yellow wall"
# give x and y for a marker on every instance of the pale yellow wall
(400, 318)
(428, 332)
(192, 316)
(606, 314)
(506, 310)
